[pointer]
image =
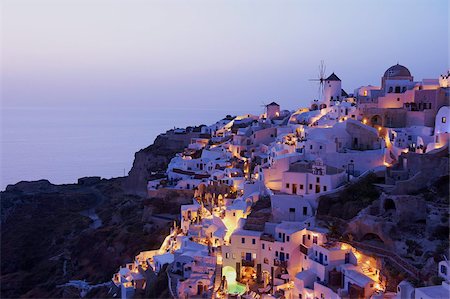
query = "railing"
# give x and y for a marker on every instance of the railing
(303, 249)
(267, 237)
(394, 258)
(246, 263)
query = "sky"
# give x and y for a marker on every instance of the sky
(209, 54)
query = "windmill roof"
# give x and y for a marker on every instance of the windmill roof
(272, 104)
(333, 77)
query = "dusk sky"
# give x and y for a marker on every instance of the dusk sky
(210, 54)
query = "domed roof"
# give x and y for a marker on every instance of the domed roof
(397, 71)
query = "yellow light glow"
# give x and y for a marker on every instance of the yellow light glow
(379, 128)
(364, 121)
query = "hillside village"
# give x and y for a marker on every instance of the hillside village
(346, 198)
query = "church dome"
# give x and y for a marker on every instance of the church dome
(397, 71)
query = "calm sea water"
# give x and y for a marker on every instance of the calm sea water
(62, 145)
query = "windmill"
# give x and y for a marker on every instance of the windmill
(320, 79)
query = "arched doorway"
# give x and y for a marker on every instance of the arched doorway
(376, 120)
(372, 238)
(389, 204)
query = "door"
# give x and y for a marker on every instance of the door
(291, 214)
(282, 256)
(248, 256)
(317, 188)
(315, 239)
(321, 257)
(294, 188)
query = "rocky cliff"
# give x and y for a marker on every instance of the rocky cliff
(150, 161)
(52, 234)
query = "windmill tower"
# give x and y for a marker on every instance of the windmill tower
(321, 82)
(329, 89)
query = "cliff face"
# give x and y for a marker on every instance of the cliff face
(154, 159)
(47, 239)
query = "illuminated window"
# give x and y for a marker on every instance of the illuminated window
(444, 120)
(365, 93)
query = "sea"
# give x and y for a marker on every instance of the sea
(64, 144)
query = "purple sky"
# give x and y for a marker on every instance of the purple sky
(210, 54)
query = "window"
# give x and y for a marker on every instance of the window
(444, 120)
(266, 260)
(326, 257)
(253, 241)
(444, 269)
(279, 235)
(243, 240)
(320, 147)
(309, 237)
(301, 187)
(365, 93)
(254, 255)
(324, 188)
(287, 185)
(398, 99)
(263, 246)
(276, 253)
(287, 239)
(317, 180)
(305, 210)
(287, 256)
(234, 214)
(310, 147)
(233, 256)
(300, 295)
(310, 186)
(227, 255)
(291, 210)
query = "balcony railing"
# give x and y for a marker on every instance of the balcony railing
(303, 249)
(267, 237)
(282, 264)
(246, 263)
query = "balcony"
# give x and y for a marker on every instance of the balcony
(282, 264)
(303, 249)
(267, 237)
(246, 263)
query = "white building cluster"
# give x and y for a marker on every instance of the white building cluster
(251, 229)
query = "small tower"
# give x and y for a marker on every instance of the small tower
(332, 90)
(318, 168)
(272, 110)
